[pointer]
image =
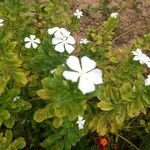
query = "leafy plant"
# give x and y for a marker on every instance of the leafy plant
(41, 108)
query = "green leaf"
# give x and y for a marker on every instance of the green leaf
(19, 143)
(57, 122)
(105, 105)
(45, 113)
(9, 123)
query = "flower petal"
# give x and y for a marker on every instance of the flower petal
(148, 64)
(94, 76)
(87, 64)
(61, 33)
(1, 24)
(80, 126)
(84, 41)
(82, 122)
(80, 118)
(56, 40)
(37, 41)
(64, 32)
(60, 47)
(70, 40)
(139, 51)
(85, 86)
(28, 45)
(147, 81)
(34, 45)
(58, 34)
(53, 30)
(136, 58)
(32, 37)
(70, 75)
(1, 20)
(69, 48)
(27, 39)
(73, 63)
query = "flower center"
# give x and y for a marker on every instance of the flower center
(64, 40)
(82, 73)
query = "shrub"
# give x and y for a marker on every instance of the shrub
(41, 102)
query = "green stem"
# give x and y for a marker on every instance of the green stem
(120, 136)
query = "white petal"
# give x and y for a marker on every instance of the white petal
(37, 41)
(139, 51)
(143, 59)
(87, 64)
(34, 45)
(94, 76)
(147, 82)
(78, 16)
(32, 37)
(53, 30)
(80, 118)
(82, 122)
(84, 41)
(77, 10)
(1, 20)
(136, 58)
(75, 14)
(70, 75)
(114, 15)
(85, 86)
(148, 64)
(60, 47)
(28, 45)
(64, 32)
(56, 40)
(61, 33)
(80, 126)
(70, 40)
(69, 48)
(58, 34)
(27, 39)
(73, 63)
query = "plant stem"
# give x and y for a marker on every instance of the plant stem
(120, 136)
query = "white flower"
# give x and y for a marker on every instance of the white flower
(64, 43)
(114, 15)
(16, 98)
(80, 122)
(86, 73)
(1, 22)
(139, 56)
(84, 41)
(32, 42)
(78, 14)
(58, 32)
(63, 40)
(147, 81)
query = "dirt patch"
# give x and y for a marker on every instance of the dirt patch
(82, 4)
